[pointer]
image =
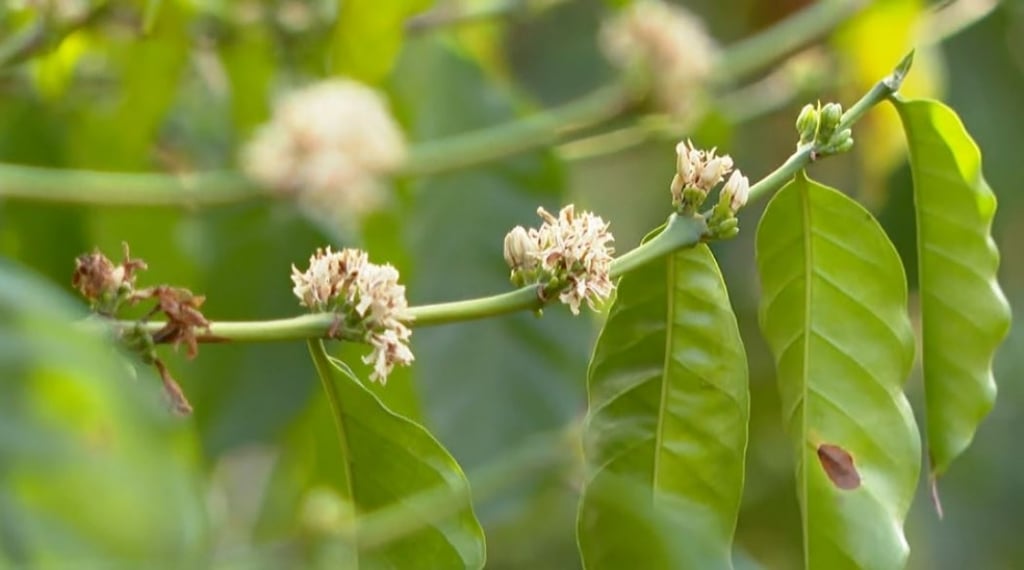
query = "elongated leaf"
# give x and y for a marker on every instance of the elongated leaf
(389, 460)
(833, 310)
(964, 316)
(667, 422)
(368, 36)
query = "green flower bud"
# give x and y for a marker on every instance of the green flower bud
(843, 141)
(807, 123)
(830, 115)
(845, 146)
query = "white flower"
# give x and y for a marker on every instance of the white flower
(569, 248)
(667, 41)
(328, 144)
(700, 170)
(367, 297)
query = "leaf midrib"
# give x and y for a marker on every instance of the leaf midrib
(669, 329)
(805, 191)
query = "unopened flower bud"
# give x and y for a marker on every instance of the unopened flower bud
(520, 249)
(830, 116)
(685, 159)
(676, 187)
(736, 191)
(841, 142)
(807, 123)
(844, 144)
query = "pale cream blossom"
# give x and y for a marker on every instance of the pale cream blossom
(697, 170)
(367, 298)
(520, 249)
(669, 43)
(736, 191)
(571, 248)
(328, 145)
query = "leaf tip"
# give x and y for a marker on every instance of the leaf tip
(899, 73)
(838, 465)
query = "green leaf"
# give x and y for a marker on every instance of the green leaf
(964, 316)
(368, 36)
(668, 416)
(389, 460)
(95, 470)
(834, 311)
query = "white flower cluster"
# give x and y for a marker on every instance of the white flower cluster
(366, 296)
(327, 144)
(571, 249)
(698, 171)
(668, 42)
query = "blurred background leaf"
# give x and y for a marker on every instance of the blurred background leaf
(78, 425)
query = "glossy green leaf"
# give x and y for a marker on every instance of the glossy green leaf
(964, 316)
(368, 36)
(834, 311)
(668, 416)
(95, 471)
(389, 460)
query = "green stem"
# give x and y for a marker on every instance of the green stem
(86, 187)
(765, 96)
(784, 38)
(531, 132)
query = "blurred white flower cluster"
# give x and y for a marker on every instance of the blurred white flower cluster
(570, 252)
(327, 144)
(668, 43)
(366, 297)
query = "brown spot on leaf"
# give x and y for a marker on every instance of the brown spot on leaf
(838, 465)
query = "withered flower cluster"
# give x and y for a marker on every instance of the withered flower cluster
(109, 287)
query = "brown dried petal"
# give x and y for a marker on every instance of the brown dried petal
(94, 275)
(181, 308)
(175, 395)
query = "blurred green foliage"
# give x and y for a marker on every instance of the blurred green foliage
(93, 469)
